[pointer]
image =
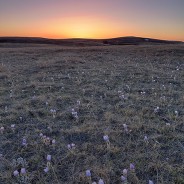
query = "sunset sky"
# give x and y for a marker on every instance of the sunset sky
(163, 19)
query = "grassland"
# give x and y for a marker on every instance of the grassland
(108, 88)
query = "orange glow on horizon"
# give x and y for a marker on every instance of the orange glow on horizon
(83, 27)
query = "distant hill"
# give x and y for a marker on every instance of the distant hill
(130, 40)
(65, 42)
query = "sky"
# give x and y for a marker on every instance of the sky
(162, 19)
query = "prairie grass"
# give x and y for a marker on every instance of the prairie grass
(109, 88)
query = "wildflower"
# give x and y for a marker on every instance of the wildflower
(125, 171)
(163, 86)
(74, 114)
(46, 169)
(122, 96)
(24, 142)
(2, 129)
(23, 171)
(13, 127)
(125, 128)
(20, 118)
(78, 102)
(151, 182)
(163, 98)
(48, 157)
(69, 146)
(106, 138)
(146, 139)
(41, 135)
(53, 141)
(46, 140)
(53, 111)
(73, 145)
(101, 181)
(123, 179)
(176, 113)
(15, 173)
(132, 167)
(50, 129)
(88, 173)
(156, 110)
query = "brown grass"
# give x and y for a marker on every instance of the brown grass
(93, 75)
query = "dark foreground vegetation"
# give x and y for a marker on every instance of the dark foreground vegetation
(75, 115)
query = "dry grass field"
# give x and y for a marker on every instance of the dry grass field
(66, 110)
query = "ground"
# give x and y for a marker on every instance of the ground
(133, 94)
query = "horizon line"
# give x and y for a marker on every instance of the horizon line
(68, 38)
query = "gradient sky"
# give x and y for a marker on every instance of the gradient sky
(162, 19)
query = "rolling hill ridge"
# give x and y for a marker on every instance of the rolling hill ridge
(129, 40)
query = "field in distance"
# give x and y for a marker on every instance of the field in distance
(65, 110)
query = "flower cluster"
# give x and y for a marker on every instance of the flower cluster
(74, 114)
(47, 140)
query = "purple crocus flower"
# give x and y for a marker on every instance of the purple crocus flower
(132, 167)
